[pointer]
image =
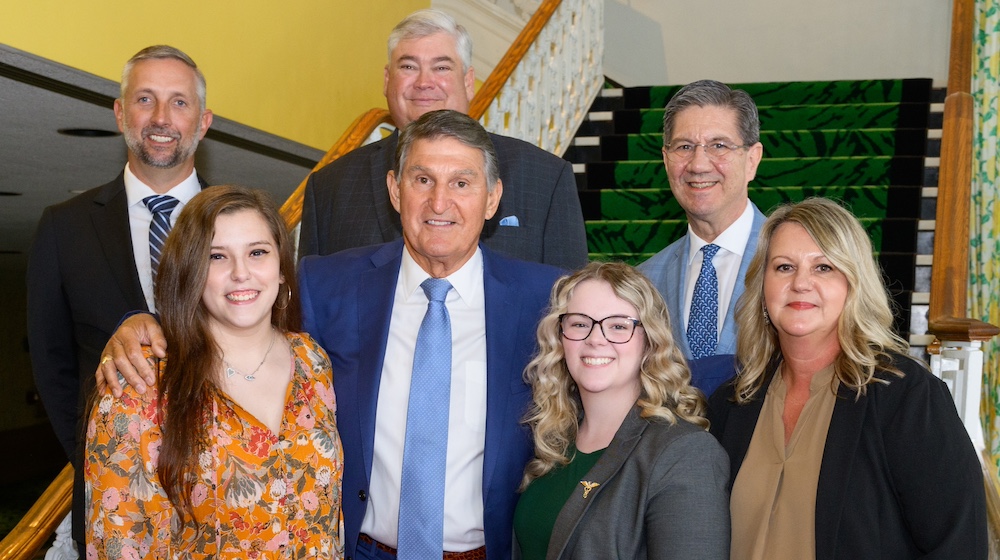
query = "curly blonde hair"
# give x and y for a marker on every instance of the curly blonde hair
(865, 326)
(665, 380)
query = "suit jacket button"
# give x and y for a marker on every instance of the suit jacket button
(362, 495)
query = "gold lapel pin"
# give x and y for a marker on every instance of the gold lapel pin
(588, 486)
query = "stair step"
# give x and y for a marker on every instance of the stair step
(797, 117)
(798, 93)
(874, 201)
(896, 235)
(783, 143)
(772, 172)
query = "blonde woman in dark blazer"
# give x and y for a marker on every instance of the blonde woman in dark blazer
(624, 466)
(842, 446)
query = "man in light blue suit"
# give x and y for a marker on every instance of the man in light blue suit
(364, 306)
(711, 150)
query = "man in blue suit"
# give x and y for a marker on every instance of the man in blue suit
(444, 186)
(365, 307)
(711, 150)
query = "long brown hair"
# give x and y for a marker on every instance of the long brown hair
(189, 379)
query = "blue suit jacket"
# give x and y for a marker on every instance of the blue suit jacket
(347, 304)
(668, 271)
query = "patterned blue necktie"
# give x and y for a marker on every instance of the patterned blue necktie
(703, 323)
(161, 206)
(425, 449)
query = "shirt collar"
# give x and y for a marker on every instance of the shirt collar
(136, 190)
(733, 238)
(463, 281)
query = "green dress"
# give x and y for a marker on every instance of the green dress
(542, 501)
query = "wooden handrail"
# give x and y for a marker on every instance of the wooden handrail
(950, 273)
(30, 534)
(361, 128)
(502, 71)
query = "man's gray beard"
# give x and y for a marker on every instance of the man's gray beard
(178, 157)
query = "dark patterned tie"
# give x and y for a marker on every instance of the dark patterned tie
(703, 323)
(425, 447)
(161, 206)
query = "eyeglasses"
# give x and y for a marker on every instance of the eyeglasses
(716, 151)
(617, 329)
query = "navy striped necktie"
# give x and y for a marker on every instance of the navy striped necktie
(161, 206)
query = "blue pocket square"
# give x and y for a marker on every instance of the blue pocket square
(510, 221)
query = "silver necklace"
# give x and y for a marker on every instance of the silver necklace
(231, 371)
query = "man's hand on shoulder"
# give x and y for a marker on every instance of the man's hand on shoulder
(123, 353)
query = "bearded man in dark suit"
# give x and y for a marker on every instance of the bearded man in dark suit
(90, 262)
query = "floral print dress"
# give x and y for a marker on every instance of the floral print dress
(259, 495)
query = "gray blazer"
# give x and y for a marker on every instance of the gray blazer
(662, 494)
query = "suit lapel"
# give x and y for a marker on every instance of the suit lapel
(109, 218)
(605, 469)
(503, 310)
(727, 339)
(382, 160)
(375, 293)
(677, 277)
(838, 457)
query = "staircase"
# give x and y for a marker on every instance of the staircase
(864, 143)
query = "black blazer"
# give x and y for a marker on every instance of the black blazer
(81, 280)
(347, 205)
(899, 476)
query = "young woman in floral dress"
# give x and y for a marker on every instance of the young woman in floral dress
(235, 452)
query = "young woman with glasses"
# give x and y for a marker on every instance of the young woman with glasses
(624, 466)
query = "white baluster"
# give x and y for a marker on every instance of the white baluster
(63, 548)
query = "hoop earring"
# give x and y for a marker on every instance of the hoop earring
(288, 299)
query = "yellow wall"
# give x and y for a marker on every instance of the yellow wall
(302, 69)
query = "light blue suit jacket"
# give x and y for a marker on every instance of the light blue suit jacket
(668, 271)
(347, 304)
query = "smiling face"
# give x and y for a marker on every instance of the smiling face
(243, 274)
(599, 367)
(443, 202)
(425, 74)
(161, 117)
(712, 193)
(803, 292)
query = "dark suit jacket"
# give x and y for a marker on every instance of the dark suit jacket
(899, 476)
(81, 281)
(347, 205)
(347, 304)
(662, 494)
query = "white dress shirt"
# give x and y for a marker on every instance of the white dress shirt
(139, 218)
(732, 243)
(463, 495)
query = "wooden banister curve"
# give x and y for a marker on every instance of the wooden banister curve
(30, 534)
(353, 137)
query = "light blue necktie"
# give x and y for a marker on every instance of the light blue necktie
(425, 449)
(161, 206)
(703, 323)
